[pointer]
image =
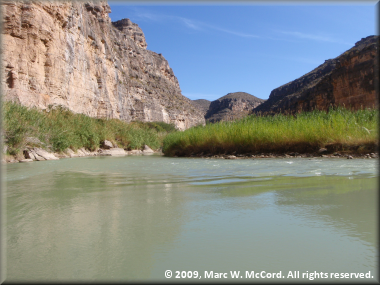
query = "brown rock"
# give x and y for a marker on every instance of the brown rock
(347, 80)
(232, 106)
(202, 104)
(70, 54)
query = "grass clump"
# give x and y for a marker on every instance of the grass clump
(337, 129)
(58, 128)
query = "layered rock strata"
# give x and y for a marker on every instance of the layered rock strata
(349, 80)
(71, 54)
(232, 106)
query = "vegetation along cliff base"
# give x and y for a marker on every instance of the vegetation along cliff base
(62, 133)
(336, 132)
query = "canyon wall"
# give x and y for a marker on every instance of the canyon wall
(349, 80)
(71, 54)
(232, 106)
(202, 105)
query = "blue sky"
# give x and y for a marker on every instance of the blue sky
(224, 47)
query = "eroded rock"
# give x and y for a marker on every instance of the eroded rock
(70, 54)
(107, 144)
(114, 152)
(232, 106)
(347, 80)
(44, 154)
(147, 150)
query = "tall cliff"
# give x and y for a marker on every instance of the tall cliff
(232, 106)
(349, 79)
(71, 54)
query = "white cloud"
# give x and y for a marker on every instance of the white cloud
(189, 23)
(239, 34)
(313, 37)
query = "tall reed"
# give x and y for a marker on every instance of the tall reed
(304, 132)
(59, 129)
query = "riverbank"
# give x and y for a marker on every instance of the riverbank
(30, 134)
(338, 131)
(31, 154)
(35, 135)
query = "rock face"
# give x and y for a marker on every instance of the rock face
(202, 105)
(349, 80)
(70, 54)
(232, 106)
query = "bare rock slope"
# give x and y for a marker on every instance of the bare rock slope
(71, 54)
(349, 79)
(232, 106)
(202, 104)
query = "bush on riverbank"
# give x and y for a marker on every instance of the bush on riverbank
(60, 129)
(338, 129)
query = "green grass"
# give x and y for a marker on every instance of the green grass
(338, 129)
(59, 129)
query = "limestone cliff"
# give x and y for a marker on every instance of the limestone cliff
(232, 106)
(349, 79)
(71, 54)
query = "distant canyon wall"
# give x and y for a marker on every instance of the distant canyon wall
(71, 54)
(349, 80)
(232, 106)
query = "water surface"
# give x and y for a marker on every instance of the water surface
(132, 218)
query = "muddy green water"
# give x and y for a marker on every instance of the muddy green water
(132, 218)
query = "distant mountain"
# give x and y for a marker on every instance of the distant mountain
(348, 80)
(232, 106)
(202, 105)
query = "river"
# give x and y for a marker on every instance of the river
(133, 218)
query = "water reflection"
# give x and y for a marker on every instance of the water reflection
(77, 225)
(132, 218)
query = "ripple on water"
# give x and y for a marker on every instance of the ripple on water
(132, 218)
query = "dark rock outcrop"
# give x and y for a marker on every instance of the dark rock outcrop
(71, 54)
(232, 106)
(202, 105)
(348, 80)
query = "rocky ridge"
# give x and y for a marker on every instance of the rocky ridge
(232, 106)
(202, 105)
(71, 54)
(349, 79)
